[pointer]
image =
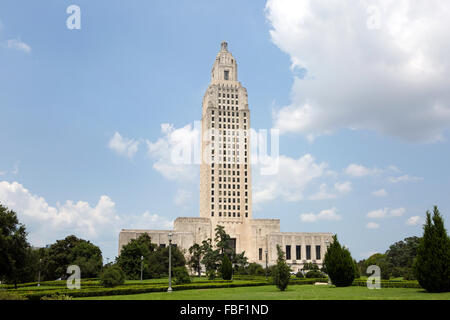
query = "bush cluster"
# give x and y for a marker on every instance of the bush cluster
(181, 275)
(112, 276)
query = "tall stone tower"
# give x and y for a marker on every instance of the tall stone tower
(225, 183)
(225, 171)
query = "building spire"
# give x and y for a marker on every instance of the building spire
(224, 46)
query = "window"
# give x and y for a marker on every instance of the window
(317, 252)
(298, 254)
(260, 253)
(288, 252)
(226, 74)
(308, 252)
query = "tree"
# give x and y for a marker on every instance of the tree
(195, 258)
(14, 248)
(381, 261)
(158, 262)
(112, 276)
(71, 251)
(181, 275)
(339, 264)
(211, 258)
(226, 269)
(222, 240)
(240, 262)
(282, 272)
(130, 257)
(432, 264)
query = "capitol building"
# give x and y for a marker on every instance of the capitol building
(225, 183)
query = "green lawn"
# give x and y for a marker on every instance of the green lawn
(303, 292)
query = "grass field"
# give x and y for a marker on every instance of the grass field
(304, 292)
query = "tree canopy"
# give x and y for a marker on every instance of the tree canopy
(15, 251)
(432, 264)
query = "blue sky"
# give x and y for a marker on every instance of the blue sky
(358, 109)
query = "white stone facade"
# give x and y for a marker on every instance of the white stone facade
(225, 182)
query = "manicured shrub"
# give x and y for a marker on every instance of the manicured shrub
(255, 269)
(314, 274)
(181, 275)
(432, 264)
(112, 276)
(282, 273)
(339, 264)
(299, 275)
(226, 268)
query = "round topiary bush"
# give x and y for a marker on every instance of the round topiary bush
(314, 274)
(299, 275)
(112, 276)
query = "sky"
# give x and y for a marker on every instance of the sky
(359, 93)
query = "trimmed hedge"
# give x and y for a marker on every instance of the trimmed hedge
(390, 284)
(127, 290)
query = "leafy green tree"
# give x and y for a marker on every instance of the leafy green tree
(14, 247)
(282, 272)
(71, 251)
(158, 262)
(112, 276)
(88, 257)
(339, 264)
(402, 253)
(432, 264)
(195, 259)
(211, 258)
(226, 268)
(381, 261)
(129, 259)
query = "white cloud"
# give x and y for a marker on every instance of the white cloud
(380, 193)
(322, 194)
(344, 187)
(99, 223)
(175, 152)
(386, 212)
(413, 221)
(378, 214)
(392, 79)
(372, 225)
(397, 212)
(17, 44)
(329, 215)
(290, 182)
(123, 146)
(356, 170)
(404, 178)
